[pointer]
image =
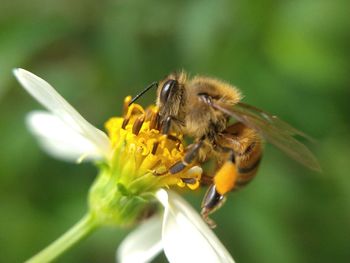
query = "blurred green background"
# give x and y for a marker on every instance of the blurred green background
(288, 57)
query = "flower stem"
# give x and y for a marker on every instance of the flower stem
(80, 230)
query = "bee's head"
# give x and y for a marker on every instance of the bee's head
(171, 95)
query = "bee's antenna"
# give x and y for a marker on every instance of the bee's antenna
(153, 84)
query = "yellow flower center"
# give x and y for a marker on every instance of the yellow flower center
(139, 166)
(138, 144)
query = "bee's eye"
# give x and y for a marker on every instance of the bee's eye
(166, 89)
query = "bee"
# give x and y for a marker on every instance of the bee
(203, 108)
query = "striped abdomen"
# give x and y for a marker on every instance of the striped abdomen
(246, 146)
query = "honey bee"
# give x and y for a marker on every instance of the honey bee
(202, 108)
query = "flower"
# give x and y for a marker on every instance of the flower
(184, 236)
(133, 161)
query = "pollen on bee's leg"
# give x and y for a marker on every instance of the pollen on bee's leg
(138, 125)
(225, 178)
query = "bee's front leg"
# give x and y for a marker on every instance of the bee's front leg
(165, 128)
(189, 157)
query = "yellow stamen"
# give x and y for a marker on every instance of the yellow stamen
(152, 152)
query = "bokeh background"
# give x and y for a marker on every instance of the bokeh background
(288, 57)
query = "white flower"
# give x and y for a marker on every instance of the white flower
(65, 134)
(62, 131)
(184, 236)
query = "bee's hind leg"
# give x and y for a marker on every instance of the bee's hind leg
(223, 182)
(211, 202)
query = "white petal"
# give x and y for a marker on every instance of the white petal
(186, 237)
(60, 140)
(44, 93)
(143, 244)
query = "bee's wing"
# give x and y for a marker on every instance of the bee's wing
(275, 131)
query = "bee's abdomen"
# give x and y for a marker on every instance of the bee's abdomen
(247, 164)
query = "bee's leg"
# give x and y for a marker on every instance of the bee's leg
(166, 124)
(206, 179)
(211, 202)
(165, 129)
(153, 117)
(223, 182)
(189, 157)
